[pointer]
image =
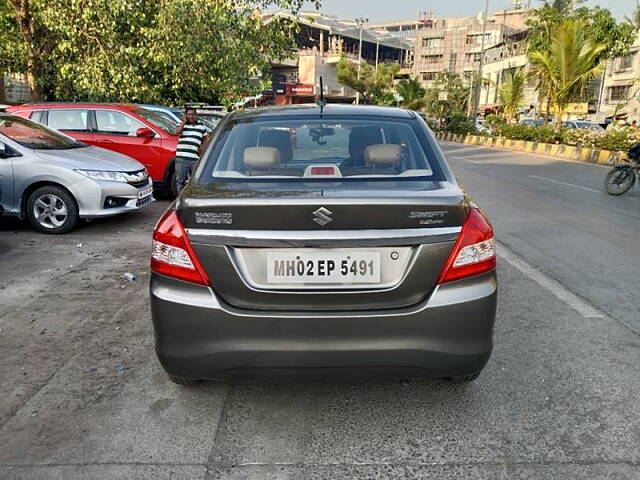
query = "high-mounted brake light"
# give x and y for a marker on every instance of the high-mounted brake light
(323, 171)
(172, 254)
(474, 251)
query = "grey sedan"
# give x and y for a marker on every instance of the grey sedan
(327, 239)
(53, 180)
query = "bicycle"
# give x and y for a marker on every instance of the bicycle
(623, 176)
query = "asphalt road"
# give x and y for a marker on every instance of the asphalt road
(83, 397)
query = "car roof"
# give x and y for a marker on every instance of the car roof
(313, 110)
(48, 105)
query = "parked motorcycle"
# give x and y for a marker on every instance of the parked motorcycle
(622, 177)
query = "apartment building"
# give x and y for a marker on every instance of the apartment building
(501, 60)
(620, 93)
(454, 45)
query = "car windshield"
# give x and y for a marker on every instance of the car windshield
(34, 135)
(344, 148)
(160, 121)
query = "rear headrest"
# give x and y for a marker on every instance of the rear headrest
(383, 154)
(262, 157)
(361, 137)
(280, 139)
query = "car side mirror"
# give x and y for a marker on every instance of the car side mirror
(3, 150)
(145, 132)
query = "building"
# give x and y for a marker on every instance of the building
(500, 61)
(322, 40)
(620, 92)
(455, 44)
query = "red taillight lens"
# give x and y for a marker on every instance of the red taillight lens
(474, 251)
(323, 171)
(172, 254)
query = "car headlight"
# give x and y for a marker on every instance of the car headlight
(104, 175)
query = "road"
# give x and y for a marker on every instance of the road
(83, 396)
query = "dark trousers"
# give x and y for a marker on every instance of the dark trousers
(184, 169)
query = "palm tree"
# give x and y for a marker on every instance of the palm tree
(413, 94)
(567, 66)
(634, 20)
(512, 93)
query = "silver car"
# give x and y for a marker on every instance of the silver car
(327, 239)
(54, 181)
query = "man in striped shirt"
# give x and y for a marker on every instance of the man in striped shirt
(193, 136)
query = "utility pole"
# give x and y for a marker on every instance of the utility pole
(361, 21)
(476, 96)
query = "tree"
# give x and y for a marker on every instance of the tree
(141, 50)
(568, 65)
(512, 93)
(374, 85)
(412, 93)
(448, 96)
(598, 23)
(634, 19)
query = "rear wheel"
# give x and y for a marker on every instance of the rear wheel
(619, 180)
(462, 379)
(183, 381)
(51, 209)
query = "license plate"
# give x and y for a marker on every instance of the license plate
(145, 192)
(319, 267)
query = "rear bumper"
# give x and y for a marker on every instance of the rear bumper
(450, 334)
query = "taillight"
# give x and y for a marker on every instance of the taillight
(474, 251)
(172, 254)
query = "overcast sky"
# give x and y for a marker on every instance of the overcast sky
(389, 10)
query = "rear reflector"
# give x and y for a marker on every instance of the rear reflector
(474, 251)
(172, 254)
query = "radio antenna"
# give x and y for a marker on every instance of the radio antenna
(321, 101)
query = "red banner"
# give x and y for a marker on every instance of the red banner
(300, 89)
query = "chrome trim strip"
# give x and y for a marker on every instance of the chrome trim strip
(323, 238)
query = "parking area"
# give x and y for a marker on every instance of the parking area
(84, 397)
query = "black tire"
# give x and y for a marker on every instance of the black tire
(619, 180)
(170, 189)
(53, 210)
(462, 379)
(183, 381)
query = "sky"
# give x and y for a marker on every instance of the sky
(390, 10)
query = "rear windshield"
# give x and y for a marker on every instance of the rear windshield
(311, 149)
(30, 134)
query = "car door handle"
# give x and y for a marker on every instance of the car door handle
(105, 141)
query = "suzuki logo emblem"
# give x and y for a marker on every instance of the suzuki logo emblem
(322, 216)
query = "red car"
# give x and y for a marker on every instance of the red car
(124, 128)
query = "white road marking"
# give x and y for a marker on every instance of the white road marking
(565, 183)
(542, 279)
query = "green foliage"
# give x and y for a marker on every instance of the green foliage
(599, 25)
(493, 122)
(456, 91)
(512, 93)
(618, 139)
(374, 86)
(568, 65)
(412, 93)
(459, 123)
(528, 133)
(142, 50)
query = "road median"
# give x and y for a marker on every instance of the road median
(567, 152)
